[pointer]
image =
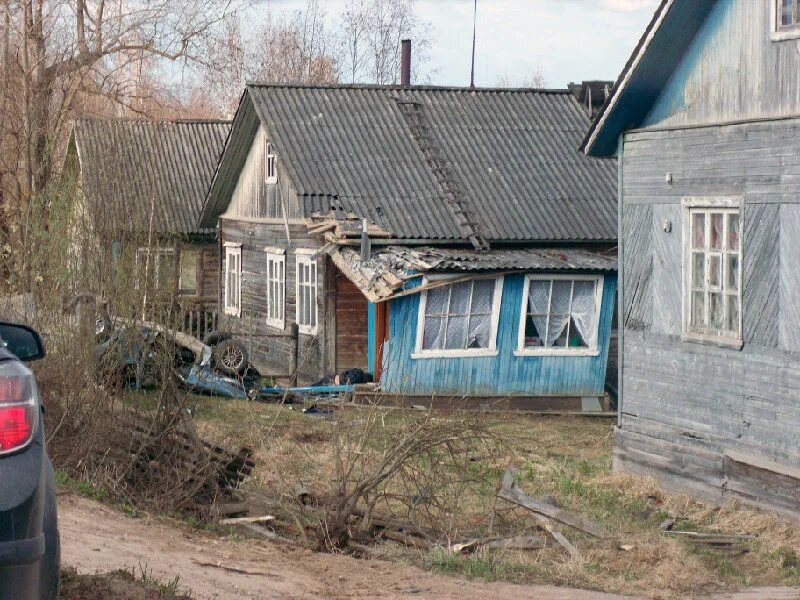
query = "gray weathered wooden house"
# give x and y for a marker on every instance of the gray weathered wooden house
(141, 189)
(450, 241)
(705, 123)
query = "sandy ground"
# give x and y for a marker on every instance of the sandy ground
(96, 539)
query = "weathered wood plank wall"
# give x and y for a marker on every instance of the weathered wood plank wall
(270, 353)
(253, 198)
(686, 405)
(732, 71)
(351, 324)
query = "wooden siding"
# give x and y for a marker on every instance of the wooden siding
(252, 197)
(351, 324)
(733, 70)
(272, 351)
(504, 374)
(208, 271)
(685, 405)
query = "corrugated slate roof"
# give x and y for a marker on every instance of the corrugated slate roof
(131, 165)
(389, 268)
(511, 153)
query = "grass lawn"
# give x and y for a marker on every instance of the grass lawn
(567, 458)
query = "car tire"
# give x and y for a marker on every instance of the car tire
(231, 357)
(50, 565)
(212, 338)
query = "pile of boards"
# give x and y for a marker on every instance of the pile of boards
(170, 447)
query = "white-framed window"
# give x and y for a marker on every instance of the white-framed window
(270, 165)
(713, 270)
(785, 19)
(460, 319)
(156, 267)
(233, 279)
(306, 291)
(276, 287)
(560, 315)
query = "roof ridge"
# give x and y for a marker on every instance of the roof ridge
(408, 88)
(145, 120)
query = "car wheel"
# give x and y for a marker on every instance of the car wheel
(230, 357)
(50, 565)
(212, 338)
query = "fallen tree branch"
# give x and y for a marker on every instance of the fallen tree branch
(408, 540)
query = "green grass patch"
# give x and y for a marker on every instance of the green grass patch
(480, 565)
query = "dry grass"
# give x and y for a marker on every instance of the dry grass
(566, 458)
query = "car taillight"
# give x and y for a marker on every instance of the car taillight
(19, 406)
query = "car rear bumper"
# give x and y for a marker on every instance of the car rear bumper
(21, 552)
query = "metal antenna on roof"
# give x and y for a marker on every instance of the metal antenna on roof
(474, 29)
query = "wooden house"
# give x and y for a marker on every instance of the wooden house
(704, 122)
(141, 187)
(450, 241)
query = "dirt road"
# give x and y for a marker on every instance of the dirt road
(96, 538)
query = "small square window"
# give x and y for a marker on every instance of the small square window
(155, 269)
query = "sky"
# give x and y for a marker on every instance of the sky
(566, 40)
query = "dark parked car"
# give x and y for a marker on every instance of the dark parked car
(29, 545)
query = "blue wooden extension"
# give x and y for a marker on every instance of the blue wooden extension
(501, 375)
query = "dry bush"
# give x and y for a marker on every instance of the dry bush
(413, 466)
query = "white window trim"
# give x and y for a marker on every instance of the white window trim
(270, 159)
(232, 249)
(419, 353)
(278, 256)
(147, 254)
(710, 203)
(566, 351)
(306, 256)
(780, 33)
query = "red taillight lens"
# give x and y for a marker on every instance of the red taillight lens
(15, 427)
(18, 406)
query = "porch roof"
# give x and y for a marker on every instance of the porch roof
(388, 270)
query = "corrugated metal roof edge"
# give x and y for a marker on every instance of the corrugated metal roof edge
(153, 121)
(421, 88)
(207, 216)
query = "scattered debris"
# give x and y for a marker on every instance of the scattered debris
(408, 540)
(511, 493)
(667, 524)
(251, 520)
(712, 539)
(231, 569)
(166, 448)
(520, 542)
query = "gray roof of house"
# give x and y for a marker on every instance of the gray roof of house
(129, 166)
(511, 155)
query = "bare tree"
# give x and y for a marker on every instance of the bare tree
(60, 54)
(370, 40)
(535, 80)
